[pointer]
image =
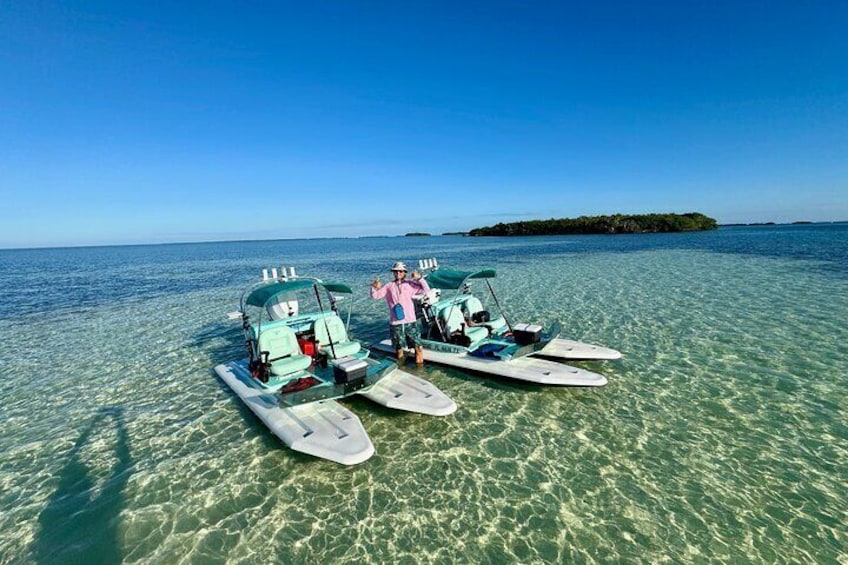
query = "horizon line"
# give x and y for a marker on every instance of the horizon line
(384, 236)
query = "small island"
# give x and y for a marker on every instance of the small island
(417, 234)
(615, 224)
(461, 233)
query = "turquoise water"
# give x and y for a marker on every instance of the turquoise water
(722, 435)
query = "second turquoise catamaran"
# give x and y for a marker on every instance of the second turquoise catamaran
(458, 331)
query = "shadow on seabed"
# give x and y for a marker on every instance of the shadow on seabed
(79, 524)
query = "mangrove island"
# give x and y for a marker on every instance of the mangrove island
(615, 224)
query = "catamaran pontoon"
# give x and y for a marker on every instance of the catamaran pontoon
(300, 362)
(459, 332)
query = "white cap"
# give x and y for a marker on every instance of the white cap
(399, 266)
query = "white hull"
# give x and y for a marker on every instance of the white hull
(403, 391)
(324, 429)
(568, 349)
(528, 369)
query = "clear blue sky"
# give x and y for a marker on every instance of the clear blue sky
(208, 121)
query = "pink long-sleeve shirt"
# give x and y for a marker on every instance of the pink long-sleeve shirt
(402, 294)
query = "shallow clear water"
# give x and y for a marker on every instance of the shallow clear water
(721, 436)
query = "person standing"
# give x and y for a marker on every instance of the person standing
(402, 321)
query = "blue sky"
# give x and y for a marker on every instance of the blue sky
(212, 121)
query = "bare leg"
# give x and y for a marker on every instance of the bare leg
(419, 355)
(400, 356)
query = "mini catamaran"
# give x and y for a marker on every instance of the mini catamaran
(300, 362)
(458, 331)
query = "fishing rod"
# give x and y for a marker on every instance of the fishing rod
(324, 318)
(498, 303)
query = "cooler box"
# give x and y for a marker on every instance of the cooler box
(349, 369)
(525, 334)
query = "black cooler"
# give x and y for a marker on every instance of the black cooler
(525, 334)
(349, 370)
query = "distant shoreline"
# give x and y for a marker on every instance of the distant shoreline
(385, 236)
(795, 223)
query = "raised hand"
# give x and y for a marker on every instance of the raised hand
(416, 275)
(376, 284)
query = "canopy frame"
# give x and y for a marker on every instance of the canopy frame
(453, 279)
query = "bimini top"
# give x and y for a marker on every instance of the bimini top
(264, 294)
(451, 279)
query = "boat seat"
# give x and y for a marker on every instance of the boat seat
(283, 351)
(498, 325)
(472, 305)
(334, 332)
(454, 321)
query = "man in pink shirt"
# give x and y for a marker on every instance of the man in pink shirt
(402, 320)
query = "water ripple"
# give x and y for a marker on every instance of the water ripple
(721, 436)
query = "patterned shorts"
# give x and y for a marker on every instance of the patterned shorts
(409, 334)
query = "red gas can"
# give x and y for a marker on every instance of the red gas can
(306, 346)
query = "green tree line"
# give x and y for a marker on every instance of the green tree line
(617, 223)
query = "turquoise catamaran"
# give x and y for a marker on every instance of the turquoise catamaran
(301, 359)
(458, 331)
